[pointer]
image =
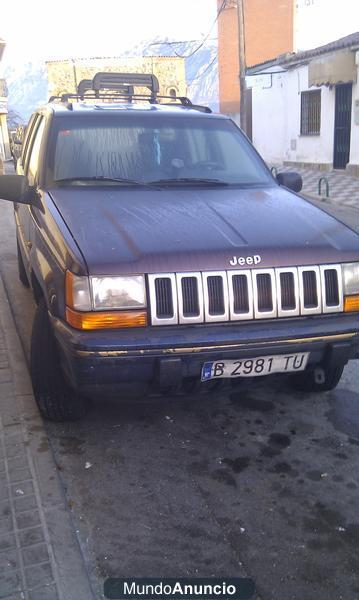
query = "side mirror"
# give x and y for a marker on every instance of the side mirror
(290, 180)
(15, 188)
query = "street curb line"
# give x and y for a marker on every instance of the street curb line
(68, 566)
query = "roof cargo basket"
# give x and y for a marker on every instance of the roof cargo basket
(117, 87)
(84, 86)
(116, 81)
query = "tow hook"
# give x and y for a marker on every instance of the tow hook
(319, 375)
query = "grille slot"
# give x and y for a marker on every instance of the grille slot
(331, 287)
(215, 295)
(310, 293)
(287, 288)
(240, 294)
(265, 300)
(310, 286)
(264, 293)
(189, 286)
(216, 299)
(164, 298)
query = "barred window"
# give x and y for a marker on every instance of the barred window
(310, 112)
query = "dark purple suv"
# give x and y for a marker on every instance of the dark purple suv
(162, 253)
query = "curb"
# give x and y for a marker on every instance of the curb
(24, 438)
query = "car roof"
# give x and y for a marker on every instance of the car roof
(75, 109)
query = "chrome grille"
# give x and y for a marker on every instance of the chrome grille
(220, 296)
(240, 294)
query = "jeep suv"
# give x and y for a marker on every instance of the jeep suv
(162, 252)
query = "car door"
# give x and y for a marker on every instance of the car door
(29, 166)
(21, 210)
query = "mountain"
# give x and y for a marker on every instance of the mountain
(28, 88)
(201, 67)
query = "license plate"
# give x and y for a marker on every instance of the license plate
(255, 367)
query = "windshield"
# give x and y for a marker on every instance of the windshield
(161, 149)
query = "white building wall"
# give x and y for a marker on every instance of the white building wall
(276, 122)
(268, 122)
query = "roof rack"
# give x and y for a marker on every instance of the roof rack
(116, 81)
(121, 86)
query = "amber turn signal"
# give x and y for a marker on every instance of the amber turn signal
(106, 320)
(351, 303)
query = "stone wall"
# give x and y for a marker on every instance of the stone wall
(64, 75)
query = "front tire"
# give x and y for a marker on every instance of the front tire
(56, 400)
(318, 379)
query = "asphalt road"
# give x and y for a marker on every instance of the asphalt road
(256, 480)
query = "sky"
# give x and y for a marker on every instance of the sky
(41, 29)
(321, 21)
(45, 29)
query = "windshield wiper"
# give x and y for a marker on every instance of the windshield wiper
(189, 180)
(104, 178)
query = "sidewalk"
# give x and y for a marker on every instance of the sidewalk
(40, 558)
(343, 188)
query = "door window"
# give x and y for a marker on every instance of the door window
(32, 167)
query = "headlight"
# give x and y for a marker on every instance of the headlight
(118, 292)
(351, 279)
(105, 302)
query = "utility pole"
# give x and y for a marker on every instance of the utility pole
(242, 64)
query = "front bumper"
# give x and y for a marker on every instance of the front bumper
(101, 362)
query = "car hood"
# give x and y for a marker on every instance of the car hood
(150, 231)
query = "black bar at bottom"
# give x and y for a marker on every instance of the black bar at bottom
(121, 588)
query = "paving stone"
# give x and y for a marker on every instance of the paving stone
(35, 554)
(2, 465)
(30, 518)
(7, 542)
(22, 489)
(9, 560)
(44, 593)
(39, 575)
(25, 503)
(6, 525)
(4, 492)
(5, 508)
(13, 426)
(17, 463)
(16, 450)
(27, 537)
(14, 439)
(5, 375)
(9, 582)
(19, 475)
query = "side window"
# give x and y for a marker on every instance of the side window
(25, 143)
(33, 162)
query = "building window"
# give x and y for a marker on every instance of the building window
(310, 113)
(173, 93)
